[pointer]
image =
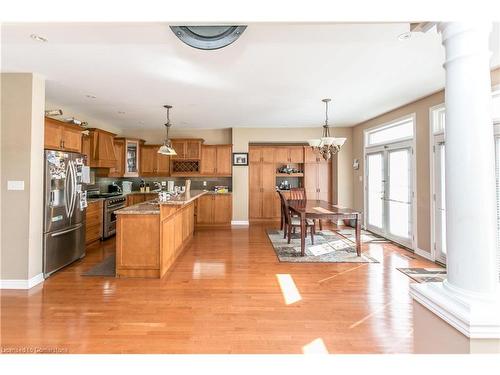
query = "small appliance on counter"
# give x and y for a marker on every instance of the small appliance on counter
(170, 185)
(114, 188)
(221, 189)
(126, 187)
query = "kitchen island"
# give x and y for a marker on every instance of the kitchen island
(151, 235)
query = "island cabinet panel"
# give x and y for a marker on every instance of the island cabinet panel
(138, 255)
(149, 238)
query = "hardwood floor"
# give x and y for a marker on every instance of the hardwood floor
(222, 296)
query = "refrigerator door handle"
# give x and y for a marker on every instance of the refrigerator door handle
(66, 192)
(66, 231)
(73, 189)
(75, 192)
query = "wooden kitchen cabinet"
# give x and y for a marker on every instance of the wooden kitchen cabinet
(101, 149)
(152, 163)
(289, 154)
(132, 157)
(216, 160)
(224, 160)
(119, 169)
(318, 180)
(262, 183)
(208, 160)
(93, 221)
(214, 209)
(187, 148)
(61, 136)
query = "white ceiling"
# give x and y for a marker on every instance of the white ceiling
(275, 75)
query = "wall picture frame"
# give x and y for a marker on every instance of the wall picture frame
(240, 158)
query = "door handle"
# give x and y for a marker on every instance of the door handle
(66, 231)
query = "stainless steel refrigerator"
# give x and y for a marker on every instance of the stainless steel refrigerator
(65, 203)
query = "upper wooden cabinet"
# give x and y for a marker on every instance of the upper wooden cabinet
(261, 154)
(100, 149)
(289, 154)
(189, 148)
(119, 169)
(62, 136)
(312, 156)
(153, 163)
(216, 160)
(132, 159)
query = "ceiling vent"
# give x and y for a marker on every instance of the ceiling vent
(208, 37)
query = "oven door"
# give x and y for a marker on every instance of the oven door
(111, 218)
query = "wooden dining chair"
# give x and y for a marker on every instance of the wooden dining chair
(292, 222)
(300, 194)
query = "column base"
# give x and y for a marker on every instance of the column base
(475, 316)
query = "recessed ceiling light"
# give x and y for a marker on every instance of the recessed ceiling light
(38, 38)
(90, 96)
(121, 112)
(405, 36)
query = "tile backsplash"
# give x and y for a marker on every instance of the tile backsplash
(196, 182)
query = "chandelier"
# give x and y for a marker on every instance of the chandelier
(166, 148)
(327, 146)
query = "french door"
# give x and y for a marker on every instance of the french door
(389, 192)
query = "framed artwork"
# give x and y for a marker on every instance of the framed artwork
(240, 158)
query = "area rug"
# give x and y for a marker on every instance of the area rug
(328, 247)
(425, 275)
(105, 268)
(365, 235)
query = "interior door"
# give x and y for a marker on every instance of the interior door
(439, 200)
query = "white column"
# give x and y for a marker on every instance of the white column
(470, 297)
(470, 159)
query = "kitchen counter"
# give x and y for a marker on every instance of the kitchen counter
(152, 207)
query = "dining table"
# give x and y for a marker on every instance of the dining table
(319, 209)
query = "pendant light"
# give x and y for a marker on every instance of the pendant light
(327, 145)
(166, 148)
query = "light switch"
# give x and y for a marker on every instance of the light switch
(15, 185)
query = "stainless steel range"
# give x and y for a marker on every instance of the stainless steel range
(111, 204)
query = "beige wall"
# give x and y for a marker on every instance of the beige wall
(421, 109)
(22, 122)
(243, 136)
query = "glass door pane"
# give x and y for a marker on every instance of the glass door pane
(399, 193)
(375, 189)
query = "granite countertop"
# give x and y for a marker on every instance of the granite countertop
(152, 207)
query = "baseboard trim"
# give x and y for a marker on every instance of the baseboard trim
(424, 254)
(22, 284)
(239, 222)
